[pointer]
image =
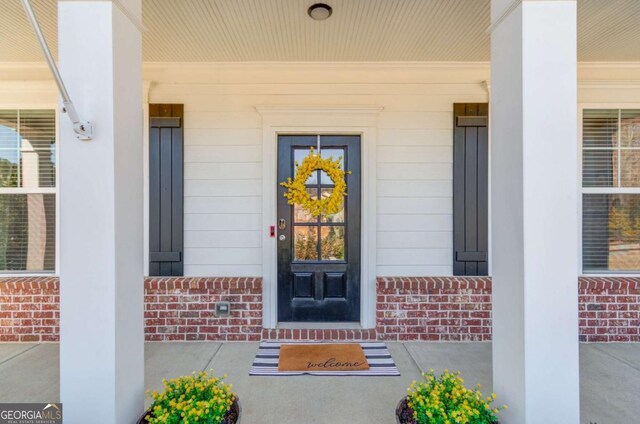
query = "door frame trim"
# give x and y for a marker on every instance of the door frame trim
(324, 120)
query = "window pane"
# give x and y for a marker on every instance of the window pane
(600, 127)
(37, 148)
(630, 128)
(336, 217)
(600, 168)
(9, 153)
(27, 232)
(300, 214)
(305, 243)
(611, 232)
(298, 156)
(8, 168)
(8, 129)
(630, 172)
(335, 154)
(332, 244)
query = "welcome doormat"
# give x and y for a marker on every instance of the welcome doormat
(377, 356)
(322, 357)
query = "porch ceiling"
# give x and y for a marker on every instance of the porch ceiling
(359, 30)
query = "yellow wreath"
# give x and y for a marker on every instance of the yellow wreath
(297, 190)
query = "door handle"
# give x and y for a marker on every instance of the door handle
(282, 224)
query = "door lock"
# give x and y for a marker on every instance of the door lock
(282, 224)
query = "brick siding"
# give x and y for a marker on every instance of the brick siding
(184, 309)
(459, 309)
(609, 309)
(434, 308)
(175, 309)
(408, 308)
(29, 309)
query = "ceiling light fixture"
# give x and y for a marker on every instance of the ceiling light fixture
(320, 11)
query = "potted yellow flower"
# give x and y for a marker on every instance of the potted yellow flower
(445, 400)
(199, 398)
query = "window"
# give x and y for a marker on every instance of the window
(27, 190)
(611, 190)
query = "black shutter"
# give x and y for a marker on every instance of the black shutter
(470, 188)
(166, 190)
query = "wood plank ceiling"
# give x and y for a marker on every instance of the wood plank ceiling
(359, 30)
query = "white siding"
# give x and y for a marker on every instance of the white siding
(223, 156)
(223, 147)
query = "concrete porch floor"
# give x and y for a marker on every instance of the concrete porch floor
(610, 379)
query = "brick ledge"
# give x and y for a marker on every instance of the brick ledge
(295, 334)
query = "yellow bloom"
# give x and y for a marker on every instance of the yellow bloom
(297, 192)
(191, 398)
(446, 399)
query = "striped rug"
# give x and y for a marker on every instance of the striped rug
(379, 358)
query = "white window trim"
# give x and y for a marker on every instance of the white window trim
(356, 120)
(605, 190)
(45, 190)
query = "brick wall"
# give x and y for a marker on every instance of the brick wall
(184, 309)
(609, 309)
(416, 308)
(434, 308)
(459, 309)
(175, 309)
(29, 309)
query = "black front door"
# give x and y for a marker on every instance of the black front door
(319, 258)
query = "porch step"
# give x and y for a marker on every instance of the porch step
(314, 334)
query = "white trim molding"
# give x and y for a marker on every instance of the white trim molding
(589, 83)
(314, 110)
(620, 84)
(361, 120)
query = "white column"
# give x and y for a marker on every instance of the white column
(101, 277)
(534, 180)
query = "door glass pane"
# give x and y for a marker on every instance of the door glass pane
(298, 156)
(332, 244)
(336, 217)
(300, 214)
(305, 243)
(335, 154)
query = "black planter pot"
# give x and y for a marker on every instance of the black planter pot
(400, 411)
(233, 416)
